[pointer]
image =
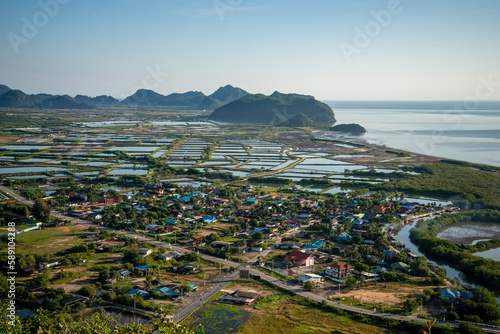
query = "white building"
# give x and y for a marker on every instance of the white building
(310, 277)
(144, 251)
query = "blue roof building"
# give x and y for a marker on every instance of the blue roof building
(376, 270)
(360, 221)
(170, 221)
(344, 236)
(166, 292)
(390, 253)
(137, 292)
(453, 294)
(142, 267)
(314, 245)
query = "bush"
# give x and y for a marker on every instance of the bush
(473, 318)
(88, 291)
(309, 285)
(410, 305)
(452, 316)
(466, 328)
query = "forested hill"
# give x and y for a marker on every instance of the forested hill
(18, 99)
(274, 109)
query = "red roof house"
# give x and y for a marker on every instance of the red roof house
(378, 209)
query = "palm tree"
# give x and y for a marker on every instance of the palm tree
(429, 324)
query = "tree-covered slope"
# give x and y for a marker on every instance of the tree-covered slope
(273, 109)
(3, 89)
(102, 100)
(16, 99)
(65, 102)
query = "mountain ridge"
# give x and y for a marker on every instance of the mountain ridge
(16, 98)
(222, 96)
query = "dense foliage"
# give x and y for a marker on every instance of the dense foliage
(62, 323)
(445, 180)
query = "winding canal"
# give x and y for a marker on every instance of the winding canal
(403, 236)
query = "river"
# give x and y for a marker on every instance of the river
(403, 236)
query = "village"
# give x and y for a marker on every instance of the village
(329, 244)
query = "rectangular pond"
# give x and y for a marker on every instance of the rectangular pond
(18, 170)
(24, 147)
(128, 172)
(133, 148)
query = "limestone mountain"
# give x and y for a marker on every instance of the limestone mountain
(102, 100)
(146, 97)
(16, 99)
(273, 109)
(65, 102)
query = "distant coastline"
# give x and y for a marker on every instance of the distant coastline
(429, 128)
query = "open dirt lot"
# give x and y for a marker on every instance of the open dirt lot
(390, 295)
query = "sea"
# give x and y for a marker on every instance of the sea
(460, 130)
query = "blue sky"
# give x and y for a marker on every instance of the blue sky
(425, 50)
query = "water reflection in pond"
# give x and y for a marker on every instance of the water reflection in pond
(492, 254)
(470, 232)
(403, 236)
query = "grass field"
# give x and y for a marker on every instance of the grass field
(282, 314)
(4, 229)
(275, 314)
(49, 240)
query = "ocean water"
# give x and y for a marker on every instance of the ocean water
(448, 129)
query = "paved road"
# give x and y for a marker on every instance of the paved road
(198, 299)
(15, 196)
(224, 280)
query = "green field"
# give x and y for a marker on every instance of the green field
(49, 240)
(276, 314)
(219, 319)
(282, 314)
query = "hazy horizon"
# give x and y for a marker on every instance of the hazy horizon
(334, 50)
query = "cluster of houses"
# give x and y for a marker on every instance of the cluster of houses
(166, 291)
